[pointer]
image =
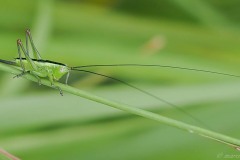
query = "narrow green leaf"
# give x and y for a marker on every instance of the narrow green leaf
(171, 122)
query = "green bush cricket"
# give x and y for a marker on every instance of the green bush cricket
(54, 71)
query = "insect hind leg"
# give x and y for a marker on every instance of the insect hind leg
(21, 74)
(21, 62)
(25, 72)
(36, 54)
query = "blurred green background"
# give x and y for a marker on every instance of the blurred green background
(37, 123)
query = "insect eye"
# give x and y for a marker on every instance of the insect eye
(62, 69)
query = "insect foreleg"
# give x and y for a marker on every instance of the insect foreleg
(68, 74)
(36, 54)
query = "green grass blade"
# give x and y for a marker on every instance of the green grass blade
(205, 13)
(146, 114)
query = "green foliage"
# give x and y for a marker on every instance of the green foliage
(37, 123)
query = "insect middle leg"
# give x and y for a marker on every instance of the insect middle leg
(50, 76)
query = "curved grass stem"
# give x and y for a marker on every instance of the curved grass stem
(136, 111)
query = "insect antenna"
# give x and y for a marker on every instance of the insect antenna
(157, 65)
(145, 92)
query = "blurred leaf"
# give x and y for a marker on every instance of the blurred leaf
(37, 124)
